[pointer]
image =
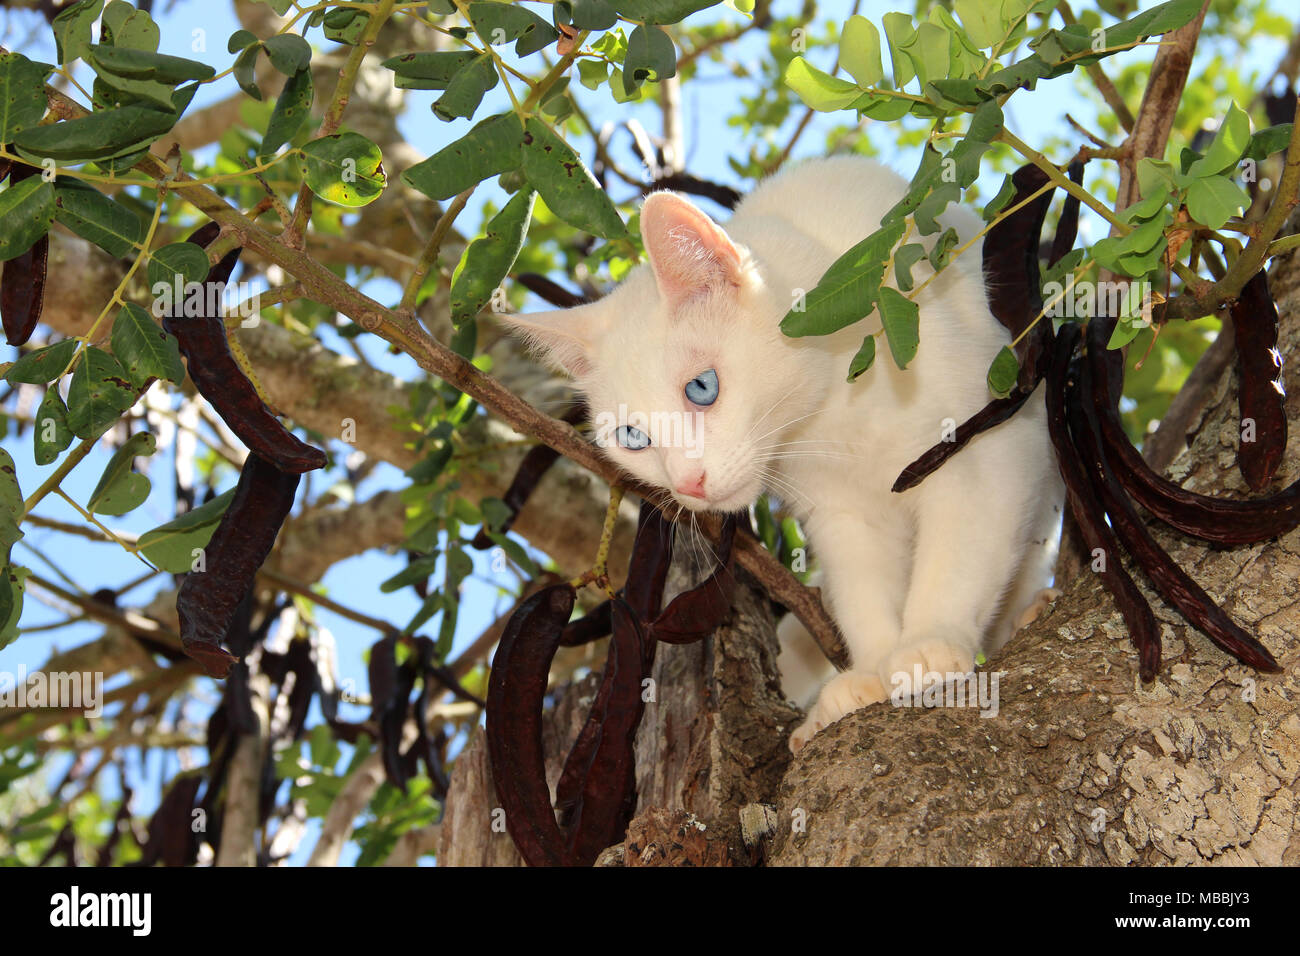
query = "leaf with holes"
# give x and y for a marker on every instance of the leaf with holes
(490, 148)
(97, 218)
(345, 168)
(145, 350)
(22, 94)
(566, 185)
(51, 435)
(99, 393)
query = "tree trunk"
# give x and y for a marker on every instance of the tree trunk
(1081, 763)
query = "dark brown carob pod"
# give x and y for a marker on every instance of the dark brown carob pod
(607, 798)
(1173, 583)
(220, 380)
(1012, 278)
(1222, 521)
(531, 471)
(696, 613)
(1260, 396)
(1089, 513)
(208, 599)
(22, 286)
(516, 690)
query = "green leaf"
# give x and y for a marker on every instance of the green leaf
(12, 586)
(659, 11)
(1003, 372)
(866, 355)
(1000, 201)
(100, 135)
(51, 434)
(650, 55)
(928, 51)
(418, 570)
(819, 90)
(346, 25)
(121, 489)
(565, 184)
(515, 551)
(1076, 42)
(97, 218)
(11, 495)
(125, 26)
(466, 89)
(904, 259)
(1124, 333)
(593, 15)
(1230, 141)
(592, 73)
(490, 148)
(42, 365)
(72, 29)
(848, 290)
(143, 65)
(883, 107)
(177, 263)
(1023, 74)
(99, 393)
(345, 168)
(22, 93)
(901, 319)
(1147, 207)
(1154, 175)
(900, 32)
(499, 23)
(1268, 141)
(938, 255)
(288, 53)
(1214, 200)
(240, 40)
(982, 20)
(292, 108)
(245, 70)
(26, 214)
(489, 258)
(428, 71)
(142, 346)
(171, 546)
(860, 51)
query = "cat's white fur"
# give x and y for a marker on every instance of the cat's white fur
(926, 577)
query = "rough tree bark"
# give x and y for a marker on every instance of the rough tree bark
(1081, 765)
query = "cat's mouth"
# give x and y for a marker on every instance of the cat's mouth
(729, 500)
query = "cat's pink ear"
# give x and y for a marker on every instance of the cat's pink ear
(564, 338)
(689, 252)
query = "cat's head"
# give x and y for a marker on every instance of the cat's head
(686, 374)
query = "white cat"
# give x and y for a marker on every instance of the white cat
(693, 388)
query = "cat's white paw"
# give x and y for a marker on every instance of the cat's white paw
(932, 655)
(844, 694)
(1036, 607)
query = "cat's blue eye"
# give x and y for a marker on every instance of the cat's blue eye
(633, 439)
(703, 388)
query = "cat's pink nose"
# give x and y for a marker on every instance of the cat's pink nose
(692, 487)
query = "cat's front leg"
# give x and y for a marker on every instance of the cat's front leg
(973, 532)
(865, 569)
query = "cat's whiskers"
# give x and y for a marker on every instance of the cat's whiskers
(793, 421)
(783, 485)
